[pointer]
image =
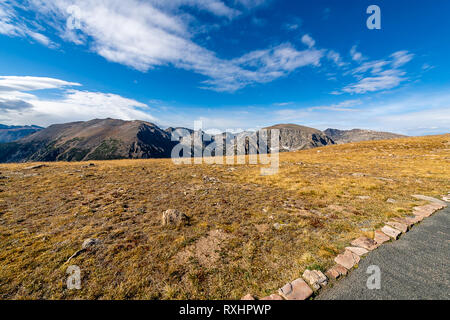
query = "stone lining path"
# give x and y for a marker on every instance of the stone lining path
(414, 267)
(412, 256)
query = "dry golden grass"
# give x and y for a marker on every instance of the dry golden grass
(231, 247)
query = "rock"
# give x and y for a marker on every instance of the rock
(336, 272)
(38, 166)
(408, 221)
(391, 232)
(446, 198)
(399, 226)
(417, 218)
(341, 270)
(359, 174)
(363, 197)
(364, 242)
(384, 179)
(332, 274)
(172, 217)
(347, 259)
(93, 165)
(210, 179)
(422, 212)
(431, 199)
(273, 296)
(279, 226)
(380, 237)
(296, 290)
(390, 200)
(426, 210)
(89, 243)
(248, 297)
(261, 228)
(357, 250)
(315, 278)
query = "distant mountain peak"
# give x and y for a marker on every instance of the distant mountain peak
(14, 133)
(356, 135)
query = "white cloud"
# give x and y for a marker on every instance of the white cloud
(249, 4)
(373, 66)
(11, 27)
(85, 105)
(157, 33)
(19, 106)
(15, 83)
(215, 7)
(356, 56)
(341, 106)
(262, 66)
(384, 80)
(336, 58)
(400, 58)
(307, 40)
(379, 75)
(145, 35)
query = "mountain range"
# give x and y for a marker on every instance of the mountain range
(356, 135)
(106, 139)
(13, 133)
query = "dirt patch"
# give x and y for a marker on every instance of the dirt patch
(206, 250)
(262, 227)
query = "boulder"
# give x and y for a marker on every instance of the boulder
(336, 272)
(391, 232)
(315, 278)
(380, 237)
(347, 259)
(296, 290)
(398, 225)
(89, 243)
(172, 217)
(359, 251)
(364, 242)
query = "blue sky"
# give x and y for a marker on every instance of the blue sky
(234, 64)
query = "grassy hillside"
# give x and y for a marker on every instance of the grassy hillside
(248, 233)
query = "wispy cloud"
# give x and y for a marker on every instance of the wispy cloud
(401, 58)
(379, 75)
(15, 83)
(11, 26)
(307, 40)
(262, 66)
(145, 35)
(356, 56)
(336, 58)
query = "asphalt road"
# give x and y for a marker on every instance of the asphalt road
(414, 267)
